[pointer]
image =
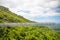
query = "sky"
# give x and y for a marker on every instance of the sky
(35, 10)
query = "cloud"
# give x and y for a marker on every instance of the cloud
(47, 19)
(57, 9)
(32, 8)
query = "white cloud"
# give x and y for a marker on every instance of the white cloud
(45, 21)
(36, 7)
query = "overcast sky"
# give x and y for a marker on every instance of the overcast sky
(36, 10)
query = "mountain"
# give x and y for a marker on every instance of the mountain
(7, 16)
(23, 32)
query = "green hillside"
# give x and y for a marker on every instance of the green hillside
(28, 33)
(23, 32)
(7, 16)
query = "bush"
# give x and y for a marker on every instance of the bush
(28, 33)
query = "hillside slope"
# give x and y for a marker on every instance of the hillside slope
(23, 32)
(28, 33)
(7, 16)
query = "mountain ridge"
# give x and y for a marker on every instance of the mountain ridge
(7, 16)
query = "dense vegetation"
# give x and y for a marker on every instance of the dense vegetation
(23, 32)
(28, 33)
(7, 16)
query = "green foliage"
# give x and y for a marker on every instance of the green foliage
(28, 33)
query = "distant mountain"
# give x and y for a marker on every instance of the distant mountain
(6, 16)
